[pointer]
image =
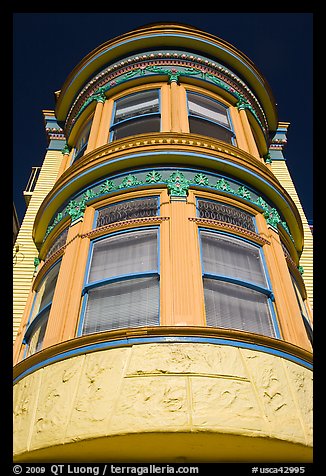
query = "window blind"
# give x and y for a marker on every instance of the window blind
(137, 104)
(121, 304)
(208, 108)
(236, 307)
(127, 253)
(227, 256)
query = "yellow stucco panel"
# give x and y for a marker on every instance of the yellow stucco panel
(260, 400)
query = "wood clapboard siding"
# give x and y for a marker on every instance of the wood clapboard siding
(23, 269)
(282, 173)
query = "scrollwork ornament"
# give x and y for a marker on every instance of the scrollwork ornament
(76, 209)
(153, 177)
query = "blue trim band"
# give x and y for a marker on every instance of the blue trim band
(164, 339)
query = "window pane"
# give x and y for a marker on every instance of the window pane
(236, 307)
(205, 128)
(228, 256)
(82, 141)
(35, 341)
(133, 252)
(130, 303)
(137, 104)
(46, 289)
(203, 106)
(142, 125)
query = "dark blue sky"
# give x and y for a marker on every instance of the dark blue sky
(47, 46)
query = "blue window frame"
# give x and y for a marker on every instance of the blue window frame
(121, 287)
(41, 307)
(209, 117)
(136, 113)
(237, 289)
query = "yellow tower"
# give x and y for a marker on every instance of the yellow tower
(161, 313)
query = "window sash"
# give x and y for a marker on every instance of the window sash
(136, 125)
(34, 338)
(208, 108)
(82, 141)
(147, 107)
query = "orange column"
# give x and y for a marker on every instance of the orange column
(248, 133)
(104, 126)
(65, 307)
(95, 126)
(238, 129)
(182, 282)
(179, 116)
(287, 308)
(65, 163)
(166, 108)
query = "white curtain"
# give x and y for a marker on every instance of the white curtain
(128, 302)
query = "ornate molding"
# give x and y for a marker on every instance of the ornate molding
(101, 230)
(173, 65)
(177, 183)
(230, 227)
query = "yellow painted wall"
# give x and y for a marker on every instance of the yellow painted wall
(200, 393)
(281, 171)
(24, 262)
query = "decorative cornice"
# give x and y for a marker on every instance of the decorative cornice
(173, 65)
